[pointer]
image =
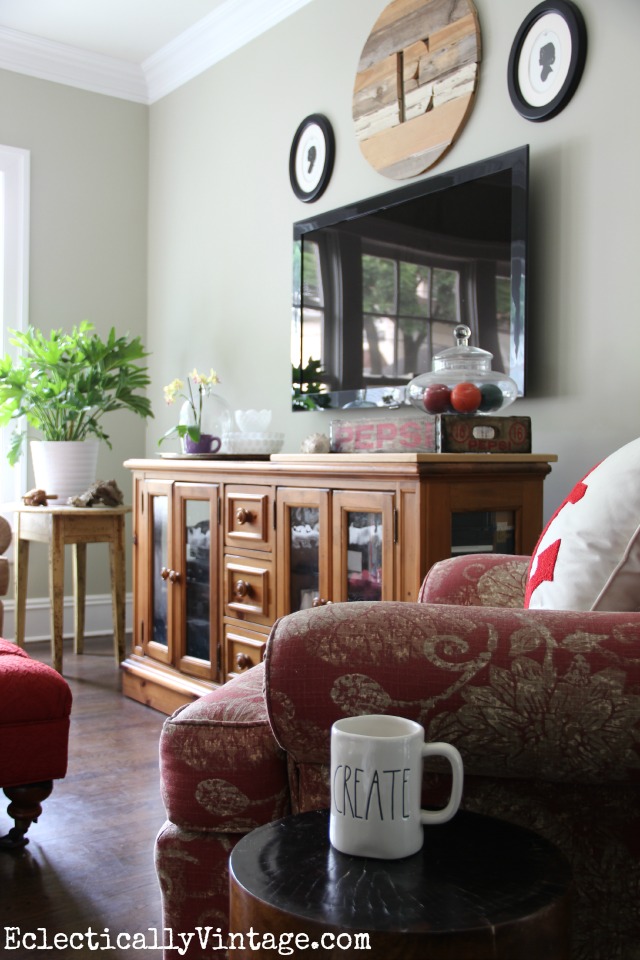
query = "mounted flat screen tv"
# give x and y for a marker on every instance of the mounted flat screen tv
(379, 285)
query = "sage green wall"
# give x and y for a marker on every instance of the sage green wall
(214, 157)
(88, 238)
(221, 210)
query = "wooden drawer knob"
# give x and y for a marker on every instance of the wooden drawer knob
(320, 602)
(241, 588)
(164, 573)
(174, 576)
(243, 661)
(243, 516)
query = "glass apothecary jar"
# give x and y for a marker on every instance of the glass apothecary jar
(462, 381)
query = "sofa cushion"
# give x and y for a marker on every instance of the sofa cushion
(588, 556)
(221, 767)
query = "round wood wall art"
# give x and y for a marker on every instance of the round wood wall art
(416, 83)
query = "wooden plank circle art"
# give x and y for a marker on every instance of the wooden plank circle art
(416, 82)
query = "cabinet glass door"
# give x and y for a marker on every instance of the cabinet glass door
(364, 556)
(196, 611)
(483, 531)
(363, 546)
(303, 548)
(304, 570)
(160, 552)
(198, 567)
(156, 612)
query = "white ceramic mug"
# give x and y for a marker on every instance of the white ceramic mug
(376, 785)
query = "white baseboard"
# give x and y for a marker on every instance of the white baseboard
(98, 617)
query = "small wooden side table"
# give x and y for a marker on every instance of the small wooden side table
(78, 526)
(480, 889)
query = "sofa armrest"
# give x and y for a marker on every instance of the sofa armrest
(523, 694)
(482, 579)
(221, 768)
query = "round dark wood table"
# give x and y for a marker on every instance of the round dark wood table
(480, 889)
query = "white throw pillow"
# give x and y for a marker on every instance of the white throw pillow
(588, 556)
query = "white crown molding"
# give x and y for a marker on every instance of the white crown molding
(228, 28)
(61, 63)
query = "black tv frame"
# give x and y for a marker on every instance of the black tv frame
(517, 162)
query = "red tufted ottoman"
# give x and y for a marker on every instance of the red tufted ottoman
(35, 703)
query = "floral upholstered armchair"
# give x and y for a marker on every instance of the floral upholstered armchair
(543, 705)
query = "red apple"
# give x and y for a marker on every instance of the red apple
(437, 398)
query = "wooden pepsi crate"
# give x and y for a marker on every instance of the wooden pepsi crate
(443, 433)
(462, 434)
(399, 434)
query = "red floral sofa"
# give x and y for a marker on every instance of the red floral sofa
(543, 705)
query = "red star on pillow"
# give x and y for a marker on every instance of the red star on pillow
(548, 557)
(545, 568)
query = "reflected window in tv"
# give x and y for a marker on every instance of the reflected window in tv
(380, 285)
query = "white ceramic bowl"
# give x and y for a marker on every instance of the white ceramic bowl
(253, 421)
(262, 443)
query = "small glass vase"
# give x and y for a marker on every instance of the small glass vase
(215, 422)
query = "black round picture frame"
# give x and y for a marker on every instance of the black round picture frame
(311, 158)
(547, 59)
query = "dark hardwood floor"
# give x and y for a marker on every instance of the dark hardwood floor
(89, 863)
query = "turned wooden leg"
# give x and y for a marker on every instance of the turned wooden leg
(25, 808)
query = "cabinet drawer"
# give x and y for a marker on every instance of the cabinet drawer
(243, 648)
(249, 517)
(249, 589)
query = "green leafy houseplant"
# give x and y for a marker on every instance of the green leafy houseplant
(65, 383)
(307, 387)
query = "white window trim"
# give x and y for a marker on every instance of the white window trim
(15, 167)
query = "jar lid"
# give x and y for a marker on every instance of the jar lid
(463, 356)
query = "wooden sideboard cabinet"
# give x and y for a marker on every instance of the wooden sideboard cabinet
(224, 547)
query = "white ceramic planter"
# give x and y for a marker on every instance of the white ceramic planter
(64, 467)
